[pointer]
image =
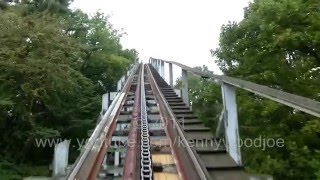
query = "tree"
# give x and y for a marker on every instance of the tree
(47, 6)
(277, 44)
(104, 61)
(39, 85)
(54, 66)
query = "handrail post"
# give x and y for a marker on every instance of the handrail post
(170, 75)
(125, 78)
(162, 69)
(185, 89)
(158, 66)
(231, 122)
(105, 103)
(123, 81)
(153, 63)
(119, 85)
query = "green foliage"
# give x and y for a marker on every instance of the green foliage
(14, 172)
(278, 34)
(104, 60)
(276, 44)
(205, 98)
(39, 85)
(47, 6)
(54, 66)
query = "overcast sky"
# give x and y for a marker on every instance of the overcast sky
(176, 30)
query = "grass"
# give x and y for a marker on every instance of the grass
(10, 171)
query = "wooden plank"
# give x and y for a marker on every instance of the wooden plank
(163, 159)
(165, 176)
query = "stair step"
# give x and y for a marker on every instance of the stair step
(170, 98)
(171, 91)
(180, 103)
(170, 95)
(219, 161)
(182, 111)
(199, 136)
(205, 129)
(179, 107)
(210, 146)
(189, 122)
(194, 126)
(174, 100)
(227, 174)
(185, 116)
(166, 89)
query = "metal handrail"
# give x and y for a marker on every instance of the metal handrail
(298, 102)
(98, 130)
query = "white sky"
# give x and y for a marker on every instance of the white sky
(176, 30)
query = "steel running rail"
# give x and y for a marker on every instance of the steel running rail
(146, 167)
(186, 160)
(130, 172)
